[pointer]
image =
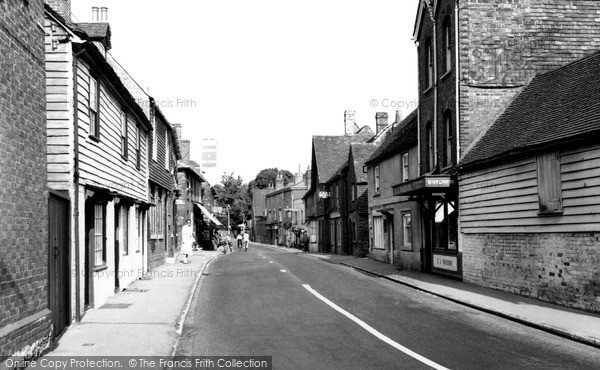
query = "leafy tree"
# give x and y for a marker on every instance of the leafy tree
(233, 192)
(267, 177)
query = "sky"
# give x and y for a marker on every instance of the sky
(262, 77)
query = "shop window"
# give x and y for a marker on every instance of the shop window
(549, 183)
(406, 231)
(446, 226)
(378, 233)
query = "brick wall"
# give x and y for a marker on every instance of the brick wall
(25, 327)
(557, 268)
(503, 45)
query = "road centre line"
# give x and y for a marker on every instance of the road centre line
(371, 330)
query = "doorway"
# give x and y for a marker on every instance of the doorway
(58, 262)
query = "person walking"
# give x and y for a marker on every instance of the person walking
(187, 241)
(304, 241)
(240, 241)
(246, 241)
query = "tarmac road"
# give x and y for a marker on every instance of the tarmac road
(310, 314)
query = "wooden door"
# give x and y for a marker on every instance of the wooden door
(58, 262)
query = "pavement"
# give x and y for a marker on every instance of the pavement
(577, 325)
(145, 319)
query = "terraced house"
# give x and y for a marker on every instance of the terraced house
(97, 160)
(474, 57)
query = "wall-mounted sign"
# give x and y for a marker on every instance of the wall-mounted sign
(426, 182)
(324, 194)
(437, 182)
(445, 262)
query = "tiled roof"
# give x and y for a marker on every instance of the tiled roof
(399, 139)
(360, 154)
(96, 31)
(555, 106)
(192, 166)
(331, 152)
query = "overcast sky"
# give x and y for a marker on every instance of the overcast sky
(263, 76)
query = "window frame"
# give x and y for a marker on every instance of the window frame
(448, 140)
(94, 106)
(376, 180)
(549, 183)
(138, 151)
(406, 239)
(100, 251)
(429, 63)
(447, 44)
(405, 166)
(429, 146)
(378, 233)
(124, 134)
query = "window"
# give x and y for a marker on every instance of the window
(99, 231)
(447, 39)
(352, 226)
(404, 163)
(124, 134)
(448, 139)
(353, 192)
(154, 138)
(406, 231)
(139, 230)
(124, 229)
(549, 183)
(429, 65)
(338, 233)
(378, 233)
(446, 225)
(376, 182)
(167, 155)
(138, 155)
(429, 146)
(94, 102)
(153, 212)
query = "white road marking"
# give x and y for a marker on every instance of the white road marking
(283, 271)
(377, 334)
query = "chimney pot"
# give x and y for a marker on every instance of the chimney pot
(95, 15)
(104, 14)
(398, 116)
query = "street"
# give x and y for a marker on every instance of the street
(307, 313)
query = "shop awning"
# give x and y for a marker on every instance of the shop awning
(208, 214)
(430, 183)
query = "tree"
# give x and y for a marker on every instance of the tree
(233, 192)
(267, 177)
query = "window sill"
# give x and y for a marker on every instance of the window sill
(94, 138)
(101, 267)
(376, 195)
(550, 213)
(448, 73)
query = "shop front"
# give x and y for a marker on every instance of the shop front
(437, 197)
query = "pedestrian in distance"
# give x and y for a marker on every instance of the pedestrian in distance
(240, 241)
(304, 241)
(246, 241)
(187, 240)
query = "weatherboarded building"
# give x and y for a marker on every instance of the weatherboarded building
(530, 192)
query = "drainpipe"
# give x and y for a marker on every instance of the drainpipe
(76, 185)
(435, 91)
(457, 73)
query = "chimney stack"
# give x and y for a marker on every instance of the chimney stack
(307, 177)
(279, 182)
(184, 146)
(349, 123)
(398, 116)
(298, 177)
(62, 7)
(177, 127)
(381, 121)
